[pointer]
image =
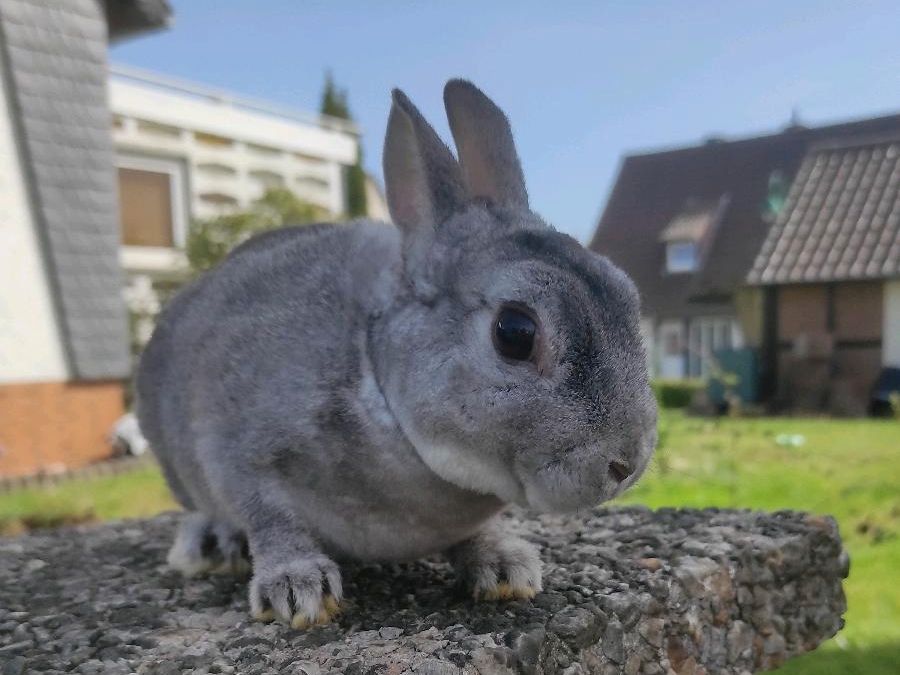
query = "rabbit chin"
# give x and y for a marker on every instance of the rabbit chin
(555, 491)
(564, 495)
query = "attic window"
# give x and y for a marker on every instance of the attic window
(776, 196)
(687, 236)
(681, 256)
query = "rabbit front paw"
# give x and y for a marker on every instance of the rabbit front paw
(304, 592)
(505, 568)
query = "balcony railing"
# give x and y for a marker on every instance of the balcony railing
(226, 98)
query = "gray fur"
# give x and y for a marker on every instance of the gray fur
(321, 394)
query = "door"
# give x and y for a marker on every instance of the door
(671, 349)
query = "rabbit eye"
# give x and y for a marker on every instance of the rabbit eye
(514, 334)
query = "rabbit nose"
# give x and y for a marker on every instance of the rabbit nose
(619, 471)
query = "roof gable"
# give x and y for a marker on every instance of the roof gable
(652, 189)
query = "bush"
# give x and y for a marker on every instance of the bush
(211, 239)
(676, 393)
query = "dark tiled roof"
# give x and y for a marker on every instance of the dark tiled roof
(126, 18)
(652, 189)
(841, 220)
(55, 64)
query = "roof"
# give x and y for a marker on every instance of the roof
(652, 189)
(127, 18)
(842, 218)
(66, 147)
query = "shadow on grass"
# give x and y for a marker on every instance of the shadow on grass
(877, 659)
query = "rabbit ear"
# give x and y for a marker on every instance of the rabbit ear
(484, 142)
(422, 179)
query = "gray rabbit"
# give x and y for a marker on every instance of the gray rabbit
(373, 392)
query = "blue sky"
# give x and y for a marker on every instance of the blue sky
(582, 83)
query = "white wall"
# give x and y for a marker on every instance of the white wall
(220, 117)
(891, 336)
(30, 346)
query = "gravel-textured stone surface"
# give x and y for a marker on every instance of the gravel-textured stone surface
(626, 591)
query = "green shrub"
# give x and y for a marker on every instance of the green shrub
(211, 239)
(676, 393)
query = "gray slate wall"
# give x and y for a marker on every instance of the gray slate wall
(55, 63)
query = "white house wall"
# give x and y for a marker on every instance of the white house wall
(265, 148)
(30, 346)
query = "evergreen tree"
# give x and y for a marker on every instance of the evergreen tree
(334, 104)
(334, 100)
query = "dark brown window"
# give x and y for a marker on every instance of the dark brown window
(145, 207)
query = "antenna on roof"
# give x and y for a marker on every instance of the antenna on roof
(795, 123)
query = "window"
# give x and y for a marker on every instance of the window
(776, 197)
(219, 200)
(266, 179)
(212, 140)
(145, 202)
(314, 182)
(672, 343)
(671, 361)
(309, 159)
(263, 150)
(707, 336)
(681, 256)
(216, 170)
(151, 205)
(157, 129)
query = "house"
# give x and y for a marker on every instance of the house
(689, 224)
(186, 151)
(829, 271)
(98, 185)
(63, 330)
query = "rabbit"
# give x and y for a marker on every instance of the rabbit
(378, 392)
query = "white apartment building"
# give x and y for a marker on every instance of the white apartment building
(186, 151)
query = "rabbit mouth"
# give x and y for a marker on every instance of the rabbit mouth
(581, 477)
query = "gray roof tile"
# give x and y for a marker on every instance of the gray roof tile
(55, 54)
(652, 189)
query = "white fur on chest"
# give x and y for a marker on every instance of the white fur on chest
(478, 471)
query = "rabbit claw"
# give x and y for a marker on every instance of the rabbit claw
(497, 566)
(305, 592)
(328, 610)
(506, 591)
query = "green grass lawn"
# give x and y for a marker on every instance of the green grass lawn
(138, 493)
(847, 468)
